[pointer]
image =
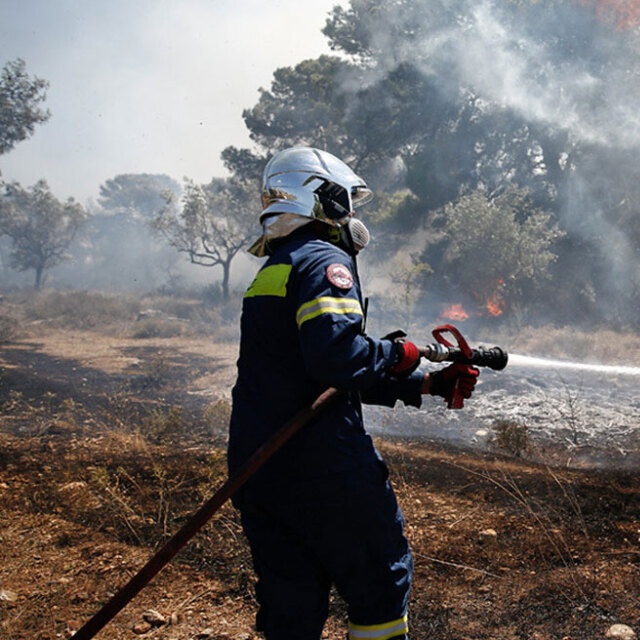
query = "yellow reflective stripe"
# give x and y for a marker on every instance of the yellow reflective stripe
(383, 631)
(327, 304)
(270, 281)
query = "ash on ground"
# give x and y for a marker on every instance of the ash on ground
(586, 419)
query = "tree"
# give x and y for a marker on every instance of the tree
(20, 98)
(494, 246)
(211, 223)
(139, 195)
(40, 227)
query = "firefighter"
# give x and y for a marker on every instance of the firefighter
(321, 512)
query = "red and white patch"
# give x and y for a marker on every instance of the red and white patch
(340, 276)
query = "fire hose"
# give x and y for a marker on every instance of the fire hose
(442, 351)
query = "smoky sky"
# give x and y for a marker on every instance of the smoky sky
(152, 86)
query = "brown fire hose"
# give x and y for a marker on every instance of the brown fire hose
(164, 555)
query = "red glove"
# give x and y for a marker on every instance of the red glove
(454, 383)
(408, 357)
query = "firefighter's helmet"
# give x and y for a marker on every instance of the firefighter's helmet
(302, 185)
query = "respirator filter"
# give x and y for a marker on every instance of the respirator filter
(360, 236)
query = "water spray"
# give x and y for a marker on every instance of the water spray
(532, 362)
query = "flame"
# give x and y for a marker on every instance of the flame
(495, 306)
(454, 312)
(495, 303)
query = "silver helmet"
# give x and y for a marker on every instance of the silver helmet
(302, 185)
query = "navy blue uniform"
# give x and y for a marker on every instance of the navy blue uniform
(321, 511)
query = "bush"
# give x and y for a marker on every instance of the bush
(217, 415)
(157, 328)
(8, 328)
(511, 436)
(160, 426)
(81, 309)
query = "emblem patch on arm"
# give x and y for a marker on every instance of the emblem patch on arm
(339, 276)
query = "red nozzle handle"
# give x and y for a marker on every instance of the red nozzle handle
(455, 401)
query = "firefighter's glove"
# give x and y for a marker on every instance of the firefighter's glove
(408, 357)
(455, 379)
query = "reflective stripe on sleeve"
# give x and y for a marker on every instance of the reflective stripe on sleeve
(327, 304)
(270, 281)
(383, 631)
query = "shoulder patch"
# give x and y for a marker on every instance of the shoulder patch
(339, 276)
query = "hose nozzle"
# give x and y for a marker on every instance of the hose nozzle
(494, 358)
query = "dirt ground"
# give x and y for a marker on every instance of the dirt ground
(107, 444)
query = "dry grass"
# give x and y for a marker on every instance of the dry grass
(108, 444)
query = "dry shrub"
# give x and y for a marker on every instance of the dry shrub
(8, 328)
(163, 426)
(217, 415)
(156, 373)
(81, 309)
(511, 437)
(157, 328)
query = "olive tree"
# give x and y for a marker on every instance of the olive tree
(39, 226)
(211, 223)
(20, 98)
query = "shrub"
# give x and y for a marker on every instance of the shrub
(217, 415)
(81, 309)
(8, 328)
(155, 372)
(157, 328)
(511, 436)
(160, 426)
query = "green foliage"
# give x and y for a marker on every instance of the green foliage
(136, 194)
(40, 227)
(497, 244)
(305, 105)
(20, 99)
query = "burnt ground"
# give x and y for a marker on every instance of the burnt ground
(107, 444)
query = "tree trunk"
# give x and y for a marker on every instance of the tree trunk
(226, 269)
(39, 272)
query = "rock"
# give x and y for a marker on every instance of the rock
(141, 628)
(621, 632)
(8, 596)
(207, 634)
(154, 618)
(488, 537)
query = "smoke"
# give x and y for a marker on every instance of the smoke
(563, 72)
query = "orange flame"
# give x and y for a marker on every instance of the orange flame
(454, 312)
(495, 306)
